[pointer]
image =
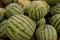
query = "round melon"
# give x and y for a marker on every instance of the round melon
(7, 1)
(55, 9)
(46, 32)
(20, 27)
(41, 22)
(55, 21)
(14, 9)
(38, 10)
(52, 2)
(2, 29)
(2, 14)
(26, 5)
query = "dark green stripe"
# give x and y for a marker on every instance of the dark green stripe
(58, 25)
(41, 13)
(55, 12)
(52, 32)
(56, 21)
(20, 8)
(13, 32)
(52, 19)
(40, 34)
(7, 27)
(24, 22)
(10, 35)
(27, 20)
(9, 12)
(48, 32)
(15, 10)
(30, 12)
(38, 12)
(33, 12)
(21, 20)
(17, 6)
(20, 29)
(45, 34)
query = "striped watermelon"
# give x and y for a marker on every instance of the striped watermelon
(55, 21)
(2, 14)
(14, 9)
(26, 6)
(2, 29)
(7, 1)
(55, 9)
(52, 2)
(46, 32)
(41, 22)
(38, 10)
(20, 27)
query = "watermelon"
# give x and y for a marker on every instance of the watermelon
(14, 9)
(2, 29)
(55, 21)
(26, 6)
(2, 14)
(52, 2)
(38, 10)
(41, 22)
(20, 27)
(7, 1)
(46, 32)
(55, 9)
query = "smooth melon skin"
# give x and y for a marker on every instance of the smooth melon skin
(14, 9)
(7, 1)
(38, 10)
(46, 32)
(55, 9)
(55, 21)
(2, 29)
(20, 27)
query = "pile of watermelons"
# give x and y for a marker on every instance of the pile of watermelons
(29, 19)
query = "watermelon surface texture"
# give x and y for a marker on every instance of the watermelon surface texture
(14, 9)
(55, 9)
(38, 10)
(20, 27)
(46, 32)
(55, 21)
